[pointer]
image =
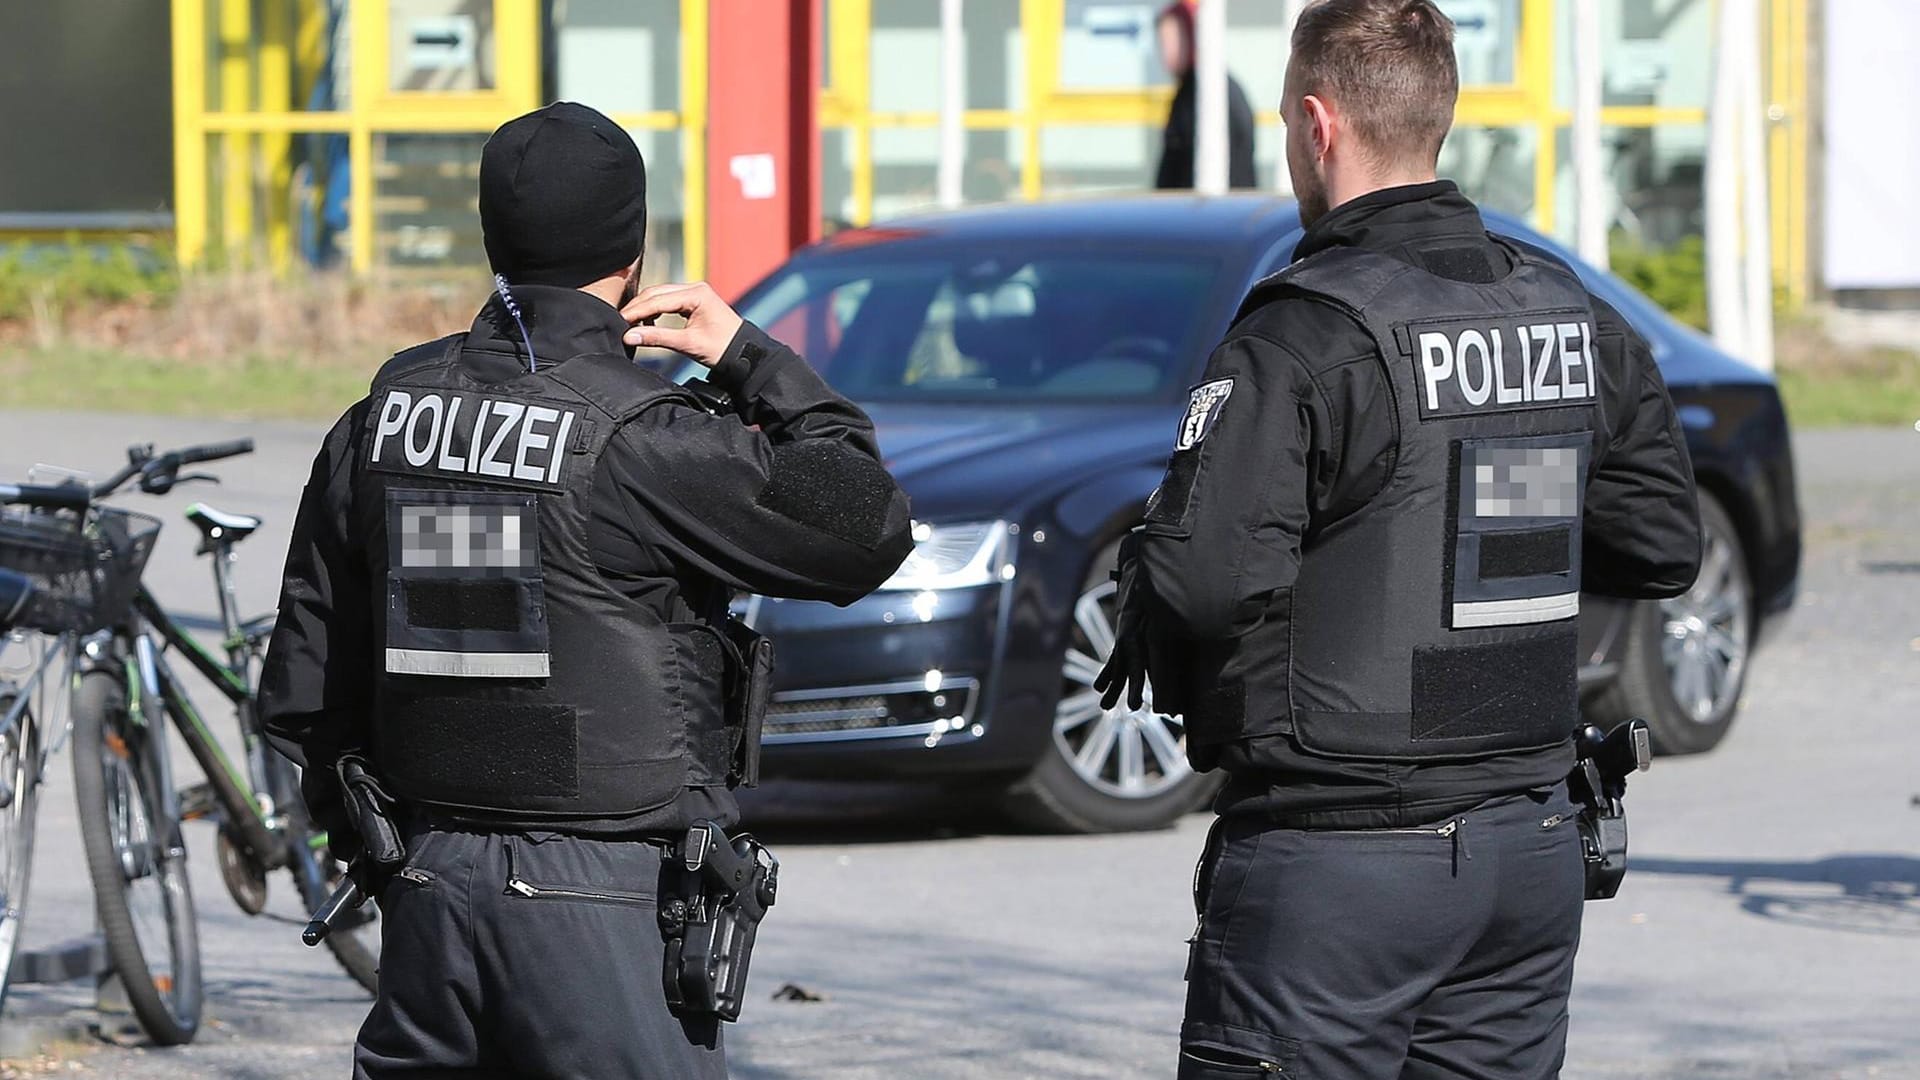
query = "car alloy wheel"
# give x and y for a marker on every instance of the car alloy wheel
(1705, 633)
(1123, 752)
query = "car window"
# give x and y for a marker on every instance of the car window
(1072, 325)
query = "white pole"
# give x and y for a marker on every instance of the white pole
(1725, 309)
(1757, 223)
(1589, 173)
(953, 104)
(1210, 145)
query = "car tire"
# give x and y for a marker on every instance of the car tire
(1140, 778)
(1683, 664)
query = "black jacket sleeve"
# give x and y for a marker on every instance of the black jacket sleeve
(1224, 529)
(787, 498)
(1641, 532)
(315, 685)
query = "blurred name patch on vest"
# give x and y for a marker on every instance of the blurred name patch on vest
(519, 443)
(1526, 481)
(464, 537)
(1480, 368)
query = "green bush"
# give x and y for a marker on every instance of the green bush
(76, 274)
(1675, 278)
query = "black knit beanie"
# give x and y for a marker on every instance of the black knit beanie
(563, 197)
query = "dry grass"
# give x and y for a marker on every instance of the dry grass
(1830, 385)
(239, 344)
(327, 318)
(251, 345)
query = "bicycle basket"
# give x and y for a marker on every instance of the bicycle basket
(85, 570)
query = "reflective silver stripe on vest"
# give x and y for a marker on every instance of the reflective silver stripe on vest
(468, 665)
(1531, 609)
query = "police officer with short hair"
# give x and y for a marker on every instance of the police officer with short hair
(1359, 582)
(508, 593)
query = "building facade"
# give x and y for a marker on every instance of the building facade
(348, 130)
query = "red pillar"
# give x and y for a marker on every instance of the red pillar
(763, 141)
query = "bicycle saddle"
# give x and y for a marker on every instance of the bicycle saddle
(220, 525)
(15, 589)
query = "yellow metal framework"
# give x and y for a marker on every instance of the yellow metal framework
(1787, 28)
(251, 137)
(1525, 102)
(254, 136)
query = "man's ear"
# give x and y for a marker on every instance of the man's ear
(1320, 125)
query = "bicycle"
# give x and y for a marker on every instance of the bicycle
(124, 694)
(23, 759)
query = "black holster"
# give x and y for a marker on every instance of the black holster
(373, 814)
(372, 811)
(1598, 784)
(713, 896)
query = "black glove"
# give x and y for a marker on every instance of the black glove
(1126, 669)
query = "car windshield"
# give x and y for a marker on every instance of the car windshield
(952, 326)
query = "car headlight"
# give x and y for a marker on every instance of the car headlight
(954, 557)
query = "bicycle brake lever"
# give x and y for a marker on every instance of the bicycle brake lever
(205, 478)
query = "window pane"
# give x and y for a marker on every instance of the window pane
(1486, 35)
(425, 199)
(1653, 52)
(1655, 175)
(1258, 45)
(906, 56)
(1494, 166)
(617, 56)
(1109, 46)
(440, 45)
(904, 170)
(1098, 157)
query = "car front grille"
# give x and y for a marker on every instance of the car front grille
(870, 712)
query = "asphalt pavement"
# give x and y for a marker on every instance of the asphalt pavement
(1770, 927)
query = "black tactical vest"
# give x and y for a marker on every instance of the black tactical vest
(510, 677)
(1439, 621)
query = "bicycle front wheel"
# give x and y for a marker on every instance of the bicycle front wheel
(136, 859)
(19, 802)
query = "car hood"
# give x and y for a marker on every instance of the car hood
(986, 460)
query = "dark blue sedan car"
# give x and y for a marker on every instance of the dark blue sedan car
(1026, 366)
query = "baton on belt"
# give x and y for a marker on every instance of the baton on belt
(347, 897)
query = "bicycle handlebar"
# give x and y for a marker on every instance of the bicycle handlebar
(156, 473)
(193, 455)
(64, 497)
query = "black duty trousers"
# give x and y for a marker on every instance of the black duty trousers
(1442, 952)
(478, 979)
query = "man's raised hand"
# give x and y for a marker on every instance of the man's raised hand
(711, 323)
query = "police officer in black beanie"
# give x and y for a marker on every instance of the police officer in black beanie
(507, 600)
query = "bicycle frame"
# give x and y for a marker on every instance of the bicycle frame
(248, 799)
(24, 691)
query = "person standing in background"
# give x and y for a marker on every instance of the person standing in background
(1175, 28)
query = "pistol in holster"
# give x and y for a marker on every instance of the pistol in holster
(711, 904)
(374, 817)
(1598, 783)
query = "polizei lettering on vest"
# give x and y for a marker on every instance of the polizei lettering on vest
(463, 435)
(1468, 369)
